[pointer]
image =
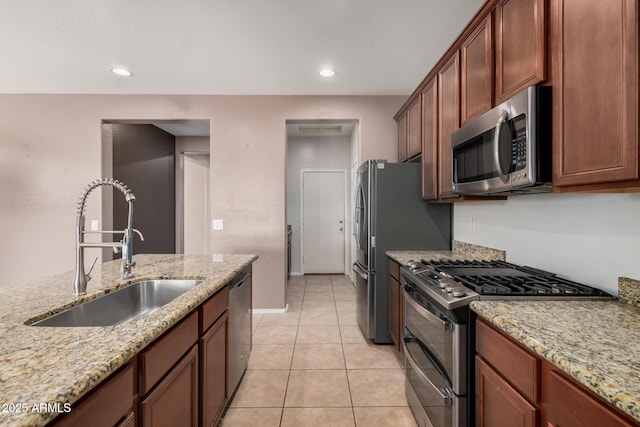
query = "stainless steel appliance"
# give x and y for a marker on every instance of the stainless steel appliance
(439, 335)
(507, 150)
(390, 214)
(239, 327)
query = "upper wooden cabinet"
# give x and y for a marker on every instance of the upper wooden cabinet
(477, 68)
(448, 121)
(414, 129)
(595, 94)
(430, 141)
(410, 131)
(402, 137)
(520, 46)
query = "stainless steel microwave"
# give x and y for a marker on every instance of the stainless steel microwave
(507, 150)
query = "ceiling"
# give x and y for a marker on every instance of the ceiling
(232, 47)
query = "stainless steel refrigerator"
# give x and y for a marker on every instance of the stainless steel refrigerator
(389, 215)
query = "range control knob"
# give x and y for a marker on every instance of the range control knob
(449, 289)
(458, 293)
(442, 285)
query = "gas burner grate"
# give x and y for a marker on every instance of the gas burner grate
(503, 278)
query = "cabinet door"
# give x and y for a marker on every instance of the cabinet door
(477, 71)
(414, 128)
(520, 46)
(497, 403)
(174, 402)
(448, 121)
(595, 98)
(402, 137)
(430, 141)
(213, 366)
(394, 312)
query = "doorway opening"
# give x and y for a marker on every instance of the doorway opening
(319, 157)
(166, 164)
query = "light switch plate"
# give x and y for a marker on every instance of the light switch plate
(218, 224)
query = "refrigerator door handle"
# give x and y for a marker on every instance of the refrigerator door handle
(360, 272)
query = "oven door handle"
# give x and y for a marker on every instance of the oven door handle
(432, 318)
(360, 272)
(444, 394)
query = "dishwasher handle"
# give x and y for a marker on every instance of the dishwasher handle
(236, 283)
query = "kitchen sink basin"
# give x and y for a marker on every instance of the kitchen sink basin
(123, 305)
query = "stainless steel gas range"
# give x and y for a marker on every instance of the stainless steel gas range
(439, 337)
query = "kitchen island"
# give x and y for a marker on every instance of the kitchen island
(44, 368)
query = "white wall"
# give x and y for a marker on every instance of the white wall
(590, 238)
(310, 153)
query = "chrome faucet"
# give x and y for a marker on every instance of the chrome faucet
(81, 278)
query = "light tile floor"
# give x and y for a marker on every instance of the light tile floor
(312, 366)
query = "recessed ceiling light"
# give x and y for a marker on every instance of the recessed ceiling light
(120, 71)
(327, 72)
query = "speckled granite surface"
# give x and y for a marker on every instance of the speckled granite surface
(629, 291)
(460, 250)
(595, 342)
(60, 365)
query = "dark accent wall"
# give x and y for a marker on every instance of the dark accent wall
(144, 159)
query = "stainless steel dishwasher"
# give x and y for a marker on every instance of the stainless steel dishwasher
(239, 327)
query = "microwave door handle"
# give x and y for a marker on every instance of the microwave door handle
(496, 146)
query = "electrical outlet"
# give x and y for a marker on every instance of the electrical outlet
(218, 224)
(472, 226)
(95, 225)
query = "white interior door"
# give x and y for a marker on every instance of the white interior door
(323, 222)
(196, 188)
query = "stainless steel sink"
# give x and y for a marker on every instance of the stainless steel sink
(123, 305)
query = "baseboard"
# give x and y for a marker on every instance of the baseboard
(270, 310)
(296, 273)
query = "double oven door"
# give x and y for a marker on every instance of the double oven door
(436, 361)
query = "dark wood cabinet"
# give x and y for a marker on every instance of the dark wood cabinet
(109, 405)
(414, 128)
(396, 307)
(402, 137)
(516, 388)
(214, 355)
(595, 96)
(568, 405)
(520, 41)
(430, 141)
(174, 402)
(448, 121)
(498, 404)
(477, 68)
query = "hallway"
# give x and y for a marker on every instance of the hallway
(312, 366)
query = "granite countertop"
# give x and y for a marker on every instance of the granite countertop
(459, 251)
(595, 342)
(47, 365)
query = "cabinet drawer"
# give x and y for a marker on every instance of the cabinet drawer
(166, 351)
(105, 406)
(520, 367)
(394, 269)
(213, 308)
(570, 406)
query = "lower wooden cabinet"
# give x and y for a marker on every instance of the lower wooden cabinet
(213, 386)
(516, 388)
(174, 402)
(498, 403)
(568, 405)
(109, 405)
(396, 305)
